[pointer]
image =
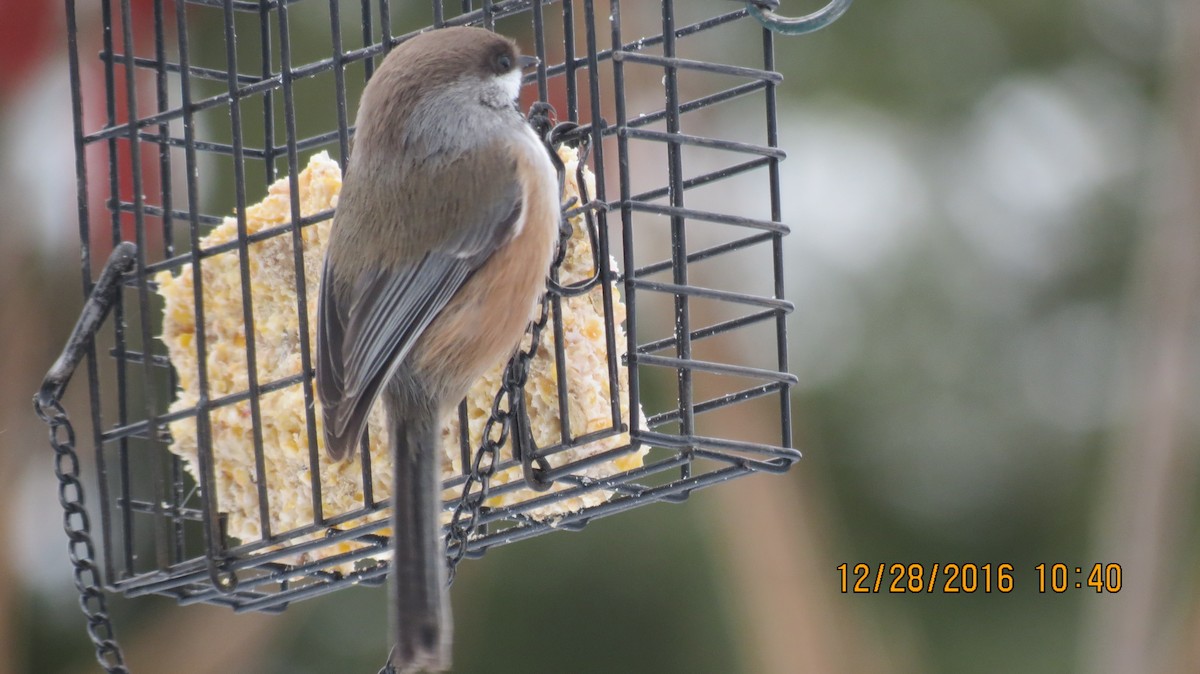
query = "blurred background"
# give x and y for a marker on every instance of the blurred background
(995, 259)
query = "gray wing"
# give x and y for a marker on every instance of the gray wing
(363, 334)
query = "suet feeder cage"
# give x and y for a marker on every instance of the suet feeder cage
(207, 176)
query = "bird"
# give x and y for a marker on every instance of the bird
(441, 241)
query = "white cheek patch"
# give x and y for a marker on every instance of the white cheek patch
(511, 83)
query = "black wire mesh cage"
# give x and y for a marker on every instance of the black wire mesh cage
(222, 134)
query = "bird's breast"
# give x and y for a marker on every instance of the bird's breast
(483, 323)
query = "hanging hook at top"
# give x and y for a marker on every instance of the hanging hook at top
(763, 10)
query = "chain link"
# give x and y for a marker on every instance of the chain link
(80, 548)
(495, 434)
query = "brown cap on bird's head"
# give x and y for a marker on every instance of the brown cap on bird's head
(472, 64)
(449, 53)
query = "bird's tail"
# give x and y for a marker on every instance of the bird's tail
(420, 599)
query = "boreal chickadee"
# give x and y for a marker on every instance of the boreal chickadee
(442, 237)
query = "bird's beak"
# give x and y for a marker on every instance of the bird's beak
(527, 62)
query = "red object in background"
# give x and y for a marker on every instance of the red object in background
(27, 36)
(33, 33)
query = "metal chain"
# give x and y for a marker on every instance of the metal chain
(508, 403)
(47, 403)
(495, 433)
(80, 548)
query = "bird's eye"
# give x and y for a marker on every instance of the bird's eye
(503, 63)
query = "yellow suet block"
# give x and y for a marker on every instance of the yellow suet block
(282, 414)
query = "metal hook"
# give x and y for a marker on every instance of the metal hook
(763, 11)
(95, 310)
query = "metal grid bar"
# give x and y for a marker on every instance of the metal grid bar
(206, 478)
(675, 193)
(169, 530)
(118, 309)
(587, 59)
